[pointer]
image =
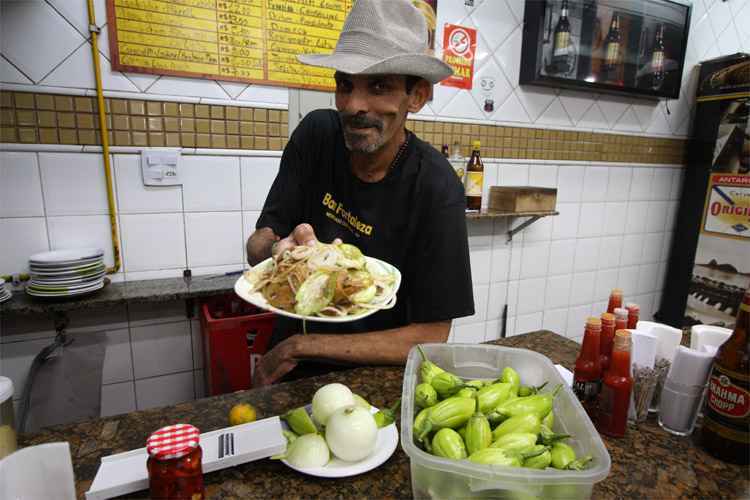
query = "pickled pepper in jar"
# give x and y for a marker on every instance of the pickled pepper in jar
(175, 469)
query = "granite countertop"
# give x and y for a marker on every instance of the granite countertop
(646, 463)
(160, 290)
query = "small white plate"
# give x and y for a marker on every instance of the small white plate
(244, 288)
(385, 445)
(81, 273)
(65, 264)
(73, 254)
(94, 288)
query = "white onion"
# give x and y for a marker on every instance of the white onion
(351, 433)
(308, 450)
(328, 399)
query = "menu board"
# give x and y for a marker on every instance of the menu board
(245, 40)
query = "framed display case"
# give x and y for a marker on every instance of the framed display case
(620, 46)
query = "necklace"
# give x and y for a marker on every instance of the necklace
(400, 152)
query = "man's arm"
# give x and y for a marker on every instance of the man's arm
(259, 245)
(384, 347)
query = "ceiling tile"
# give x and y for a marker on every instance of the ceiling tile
(594, 118)
(509, 56)
(576, 103)
(721, 16)
(490, 83)
(512, 111)
(613, 107)
(495, 21)
(555, 115)
(190, 87)
(77, 71)
(76, 12)
(628, 122)
(262, 94)
(9, 74)
(35, 38)
(536, 100)
(233, 89)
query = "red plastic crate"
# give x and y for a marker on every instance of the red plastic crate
(235, 336)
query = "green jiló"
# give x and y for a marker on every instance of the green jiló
(447, 443)
(425, 395)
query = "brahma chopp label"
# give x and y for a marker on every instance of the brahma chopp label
(727, 211)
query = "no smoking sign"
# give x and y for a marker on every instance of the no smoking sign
(459, 44)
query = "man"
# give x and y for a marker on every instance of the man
(360, 177)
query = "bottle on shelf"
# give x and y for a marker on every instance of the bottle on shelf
(614, 399)
(634, 313)
(612, 51)
(657, 59)
(615, 300)
(606, 340)
(457, 160)
(587, 376)
(444, 151)
(474, 179)
(561, 42)
(726, 421)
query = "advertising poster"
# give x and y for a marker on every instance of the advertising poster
(459, 49)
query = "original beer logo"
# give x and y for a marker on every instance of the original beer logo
(728, 399)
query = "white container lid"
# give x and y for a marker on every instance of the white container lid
(6, 389)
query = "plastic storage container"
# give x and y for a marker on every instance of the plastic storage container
(436, 477)
(235, 335)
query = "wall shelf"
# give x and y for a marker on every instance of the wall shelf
(492, 214)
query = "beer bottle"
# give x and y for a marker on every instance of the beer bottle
(444, 150)
(612, 50)
(657, 59)
(561, 41)
(474, 179)
(726, 422)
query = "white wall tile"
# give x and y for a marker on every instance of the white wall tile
(657, 216)
(148, 313)
(661, 275)
(98, 320)
(647, 277)
(618, 183)
(481, 295)
(498, 295)
(161, 349)
(672, 208)
(153, 241)
(561, 257)
(76, 231)
(164, 391)
(480, 265)
(632, 249)
(117, 399)
(531, 295)
(582, 288)
(534, 259)
(543, 175)
(662, 184)
(73, 183)
(570, 183)
(591, 222)
(558, 291)
(20, 185)
(211, 183)
(587, 254)
(609, 252)
(640, 188)
(529, 323)
(480, 233)
(677, 179)
(606, 280)
(199, 379)
(615, 218)
(16, 358)
(565, 225)
(197, 343)
(470, 334)
(513, 175)
(595, 184)
(500, 264)
(512, 298)
(577, 320)
(257, 176)
(118, 363)
(29, 237)
(637, 215)
(491, 172)
(514, 272)
(134, 197)
(492, 330)
(555, 320)
(627, 279)
(213, 238)
(666, 246)
(541, 230)
(652, 248)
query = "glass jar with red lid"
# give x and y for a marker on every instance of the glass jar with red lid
(175, 463)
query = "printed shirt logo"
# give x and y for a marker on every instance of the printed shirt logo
(338, 213)
(727, 399)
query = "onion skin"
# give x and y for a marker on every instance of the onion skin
(351, 433)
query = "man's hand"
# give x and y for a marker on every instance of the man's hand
(303, 234)
(276, 363)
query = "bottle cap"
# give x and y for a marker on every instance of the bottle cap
(632, 306)
(617, 291)
(173, 441)
(622, 340)
(608, 318)
(476, 144)
(593, 322)
(621, 313)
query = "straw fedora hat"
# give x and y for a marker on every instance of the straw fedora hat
(383, 37)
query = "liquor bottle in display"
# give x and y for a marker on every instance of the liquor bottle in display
(587, 376)
(614, 399)
(657, 59)
(474, 179)
(444, 150)
(457, 161)
(561, 42)
(612, 50)
(726, 422)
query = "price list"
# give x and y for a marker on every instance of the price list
(246, 40)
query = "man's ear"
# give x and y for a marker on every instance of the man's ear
(419, 95)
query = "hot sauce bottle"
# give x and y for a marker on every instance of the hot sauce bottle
(607, 338)
(621, 318)
(587, 376)
(614, 399)
(615, 300)
(634, 313)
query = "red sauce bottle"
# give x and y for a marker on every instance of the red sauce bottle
(587, 376)
(621, 318)
(607, 338)
(634, 314)
(614, 399)
(175, 463)
(615, 300)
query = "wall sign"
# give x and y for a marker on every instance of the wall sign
(459, 48)
(728, 206)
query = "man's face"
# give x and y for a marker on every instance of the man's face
(372, 109)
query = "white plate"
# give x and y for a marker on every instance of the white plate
(66, 280)
(81, 273)
(244, 289)
(65, 263)
(72, 254)
(34, 293)
(4, 297)
(385, 445)
(44, 287)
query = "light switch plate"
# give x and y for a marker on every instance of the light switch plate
(159, 167)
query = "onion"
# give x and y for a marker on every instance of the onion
(328, 399)
(351, 433)
(308, 450)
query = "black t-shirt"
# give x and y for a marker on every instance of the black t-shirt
(414, 218)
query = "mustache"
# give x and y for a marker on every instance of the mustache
(354, 120)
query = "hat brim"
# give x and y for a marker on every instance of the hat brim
(430, 68)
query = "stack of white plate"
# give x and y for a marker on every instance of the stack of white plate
(65, 273)
(4, 291)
